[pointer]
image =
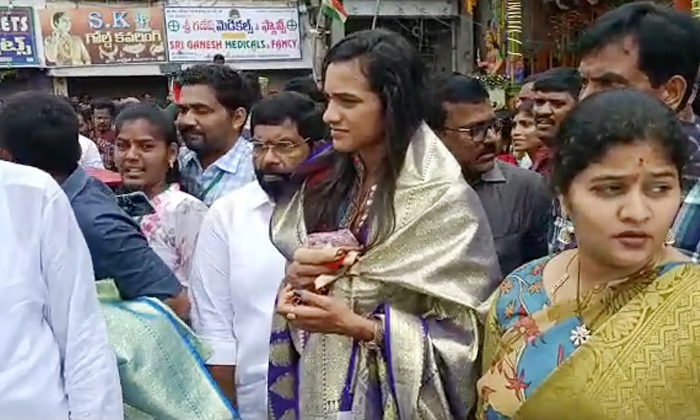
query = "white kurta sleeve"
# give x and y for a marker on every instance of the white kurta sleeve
(90, 374)
(210, 284)
(90, 158)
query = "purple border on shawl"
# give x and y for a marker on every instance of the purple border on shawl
(387, 349)
(388, 346)
(318, 160)
(319, 150)
(278, 406)
(348, 394)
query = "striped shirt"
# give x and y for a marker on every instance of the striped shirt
(230, 172)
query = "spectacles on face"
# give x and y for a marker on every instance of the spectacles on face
(477, 132)
(280, 148)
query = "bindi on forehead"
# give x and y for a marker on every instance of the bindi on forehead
(637, 157)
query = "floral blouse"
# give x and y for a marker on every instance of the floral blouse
(172, 229)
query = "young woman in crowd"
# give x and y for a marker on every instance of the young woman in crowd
(526, 144)
(85, 121)
(505, 134)
(394, 333)
(607, 331)
(161, 361)
(146, 157)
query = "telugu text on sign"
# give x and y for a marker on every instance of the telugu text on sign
(102, 35)
(197, 34)
(17, 45)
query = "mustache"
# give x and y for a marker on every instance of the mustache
(273, 176)
(189, 130)
(546, 120)
(275, 184)
(489, 148)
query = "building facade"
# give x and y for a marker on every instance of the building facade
(130, 48)
(441, 30)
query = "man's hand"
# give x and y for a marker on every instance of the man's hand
(180, 304)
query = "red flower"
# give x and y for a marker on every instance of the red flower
(521, 312)
(537, 269)
(517, 384)
(528, 328)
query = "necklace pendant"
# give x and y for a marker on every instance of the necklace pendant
(580, 335)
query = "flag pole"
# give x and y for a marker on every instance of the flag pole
(376, 13)
(317, 35)
(318, 17)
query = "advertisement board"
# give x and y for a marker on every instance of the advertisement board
(93, 35)
(197, 34)
(17, 43)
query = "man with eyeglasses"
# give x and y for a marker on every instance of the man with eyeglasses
(516, 200)
(236, 270)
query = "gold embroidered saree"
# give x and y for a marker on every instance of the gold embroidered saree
(425, 280)
(161, 362)
(642, 361)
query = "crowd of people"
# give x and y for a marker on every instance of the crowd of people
(384, 246)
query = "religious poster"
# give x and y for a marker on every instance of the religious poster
(94, 35)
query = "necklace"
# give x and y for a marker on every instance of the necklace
(364, 209)
(565, 277)
(581, 333)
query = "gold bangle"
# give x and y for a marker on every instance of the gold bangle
(377, 337)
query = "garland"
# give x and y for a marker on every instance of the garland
(494, 81)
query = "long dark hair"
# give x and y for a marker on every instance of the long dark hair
(396, 73)
(164, 127)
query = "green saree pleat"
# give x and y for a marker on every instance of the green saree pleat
(161, 362)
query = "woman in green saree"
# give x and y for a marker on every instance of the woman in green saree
(161, 361)
(611, 330)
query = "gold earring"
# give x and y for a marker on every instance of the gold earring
(566, 234)
(670, 238)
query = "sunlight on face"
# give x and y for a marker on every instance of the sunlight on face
(354, 111)
(623, 206)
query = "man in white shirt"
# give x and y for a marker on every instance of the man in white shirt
(55, 360)
(90, 155)
(236, 270)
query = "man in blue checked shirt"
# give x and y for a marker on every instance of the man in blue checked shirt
(213, 107)
(657, 50)
(686, 229)
(556, 93)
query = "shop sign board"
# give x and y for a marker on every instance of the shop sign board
(95, 35)
(197, 34)
(17, 43)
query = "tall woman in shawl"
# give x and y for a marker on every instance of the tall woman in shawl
(608, 331)
(380, 322)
